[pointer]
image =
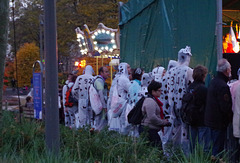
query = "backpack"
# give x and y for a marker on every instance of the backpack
(135, 116)
(189, 111)
(70, 100)
(95, 101)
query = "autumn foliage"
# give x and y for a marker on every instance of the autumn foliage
(27, 55)
(8, 73)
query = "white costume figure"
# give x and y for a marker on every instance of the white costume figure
(166, 135)
(145, 81)
(158, 73)
(80, 92)
(235, 91)
(179, 79)
(122, 82)
(69, 112)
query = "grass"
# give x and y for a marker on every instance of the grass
(24, 142)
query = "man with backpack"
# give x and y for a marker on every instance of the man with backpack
(193, 107)
(101, 86)
(70, 104)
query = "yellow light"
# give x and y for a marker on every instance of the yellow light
(79, 35)
(76, 63)
(83, 63)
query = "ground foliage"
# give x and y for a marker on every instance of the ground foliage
(24, 142)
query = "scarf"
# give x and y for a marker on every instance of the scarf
(160, 104)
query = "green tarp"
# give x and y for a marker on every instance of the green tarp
(153, 31)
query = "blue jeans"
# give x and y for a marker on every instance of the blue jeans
(199, 135)
(217, 138)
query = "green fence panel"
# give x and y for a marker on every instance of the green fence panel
(153, 31)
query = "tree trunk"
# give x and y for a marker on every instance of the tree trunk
(4, 17)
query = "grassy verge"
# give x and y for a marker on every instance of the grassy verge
(24, 142)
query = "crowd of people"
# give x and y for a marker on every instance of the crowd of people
(163, 89)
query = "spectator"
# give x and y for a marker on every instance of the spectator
(102, 89)
(134, 95)
(218, 113)
(29, 102)
(152, 110)
(198, 131)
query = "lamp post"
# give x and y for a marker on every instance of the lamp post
(40, 36)
(51, 63)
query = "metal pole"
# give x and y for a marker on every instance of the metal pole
(97, 65)
(52, 112)
(111, 69)
(40, 36)
(219, 29)
(102, 60)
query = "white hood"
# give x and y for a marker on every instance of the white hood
(88, 70)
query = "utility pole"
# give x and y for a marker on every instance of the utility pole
(40, 37)
(219, 29)
(51, 63)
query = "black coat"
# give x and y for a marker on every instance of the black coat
(200, 92)
(218, 112)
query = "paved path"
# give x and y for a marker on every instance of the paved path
(10, 98)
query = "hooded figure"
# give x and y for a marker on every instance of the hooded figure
(121, 81)
(158, 73)
(166, 135)
(80, 92)
(179, 79)
(145, 81)
(69, 112)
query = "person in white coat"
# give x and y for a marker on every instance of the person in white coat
(180, 78)
(122, 82)
(158, 73)
(145, 81)
(235, 92)
(166, 135)
(69, 112)
(80, 92)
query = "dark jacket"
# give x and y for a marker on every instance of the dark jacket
(218, 112)
(200, 94)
